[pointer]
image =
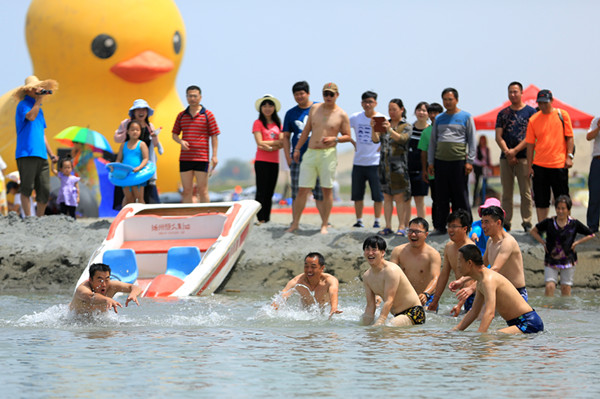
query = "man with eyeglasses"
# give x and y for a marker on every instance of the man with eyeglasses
(366, 160)
(459, 224)
(96, 293)
(418, 260)
(325, 121)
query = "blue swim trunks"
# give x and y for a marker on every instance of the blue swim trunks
(528, 323)
(469, 303)
(523, 292)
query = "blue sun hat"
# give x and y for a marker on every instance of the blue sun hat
(140, 103)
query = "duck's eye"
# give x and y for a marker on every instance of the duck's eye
(104, 46)
(177, 42)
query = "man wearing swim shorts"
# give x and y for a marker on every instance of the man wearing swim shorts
(495, 294)
(325, 121)
(314, 286)
(387, 280)
(196, 125)
(418, 260)
(97, 292)
(502, 253)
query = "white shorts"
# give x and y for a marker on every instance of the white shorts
(566, 275)
(319, 163)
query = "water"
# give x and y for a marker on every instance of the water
(235, 344)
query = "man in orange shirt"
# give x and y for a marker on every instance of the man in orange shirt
(550, 135)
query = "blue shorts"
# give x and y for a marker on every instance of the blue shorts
(523, 292)
(528, 323)
(469, 303)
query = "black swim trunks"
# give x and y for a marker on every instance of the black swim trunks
(416, 314)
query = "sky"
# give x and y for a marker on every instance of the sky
(239, 50)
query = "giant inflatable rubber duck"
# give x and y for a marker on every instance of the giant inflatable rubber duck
(104, 54)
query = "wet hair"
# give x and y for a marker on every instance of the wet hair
(471, 253)
(98, 267)
(192, 87)
(422, 103)
(301, 86)
(131, 122)
(319, 257)
(400, 105)
(463, 217)
(495, 212)
(263, 118)
(369, 94)
(516, 84)
(435, 107)
(375, 242)
(565, 199)
(421, 221)
(64, 159)
(450, 90)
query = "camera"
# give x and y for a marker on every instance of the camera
(44, 92)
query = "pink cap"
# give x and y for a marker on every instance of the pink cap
(491, 202)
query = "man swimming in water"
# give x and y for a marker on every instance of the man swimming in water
(97, 292)
(314, 286)
(387, 280)
(495, 293)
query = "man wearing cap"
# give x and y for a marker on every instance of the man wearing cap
(325, 121)
(196, 125)
(293, 125)
(32, 146)
(511, 125)
(549, 152)
(366, 160)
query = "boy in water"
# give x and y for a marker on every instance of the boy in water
(495, 293)
(97, 292)
(387, 280)
(314, 285)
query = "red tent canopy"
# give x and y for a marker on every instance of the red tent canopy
(579, 119)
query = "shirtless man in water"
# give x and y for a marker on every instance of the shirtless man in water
(325, 121)
(502, 253)
(387, 280)
(418, 260)
(97, 292)
(495, 294)
(314, 285)
(459, 223)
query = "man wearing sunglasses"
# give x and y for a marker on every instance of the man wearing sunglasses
(418, 260)
(325, 120)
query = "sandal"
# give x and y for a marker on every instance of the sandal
(385, 232)
(401, 233)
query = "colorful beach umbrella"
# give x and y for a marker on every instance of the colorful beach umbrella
(83, 135)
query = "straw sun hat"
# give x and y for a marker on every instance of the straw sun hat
(269, 97)
(32, 82)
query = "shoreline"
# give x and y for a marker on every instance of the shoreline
(48, 254)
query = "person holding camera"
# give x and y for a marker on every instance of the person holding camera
(32, 146)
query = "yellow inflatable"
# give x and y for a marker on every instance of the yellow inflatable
(104, 54)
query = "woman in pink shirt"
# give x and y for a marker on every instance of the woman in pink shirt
(269, 139)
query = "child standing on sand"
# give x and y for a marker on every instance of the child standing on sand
(560, 244)
(134, 152)
(68, 194)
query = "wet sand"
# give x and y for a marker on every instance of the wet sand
(48, 254)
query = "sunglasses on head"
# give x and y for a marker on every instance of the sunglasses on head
(328, 94)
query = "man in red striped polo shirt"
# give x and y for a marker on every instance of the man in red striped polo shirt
(196, 125)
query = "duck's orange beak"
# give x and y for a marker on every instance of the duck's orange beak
(144, 67)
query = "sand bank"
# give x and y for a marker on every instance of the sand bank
(49, 253)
